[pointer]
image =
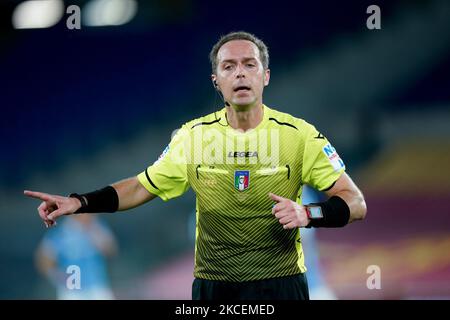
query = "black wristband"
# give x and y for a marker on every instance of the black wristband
(83, 202)
(336, 213)
(103, 200)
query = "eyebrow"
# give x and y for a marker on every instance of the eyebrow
(234, 60)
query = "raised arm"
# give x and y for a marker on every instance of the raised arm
(122, 195)
(131, 193)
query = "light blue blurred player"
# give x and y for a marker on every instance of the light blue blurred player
(82, 241)
(318, 288)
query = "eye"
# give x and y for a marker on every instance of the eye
(251, 65)
(227, 67)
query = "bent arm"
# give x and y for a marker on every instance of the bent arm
(346, 189)
(46, 264)
(131, 193)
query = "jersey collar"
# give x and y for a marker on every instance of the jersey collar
(266, 111)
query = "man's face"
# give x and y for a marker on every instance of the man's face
(240, 74)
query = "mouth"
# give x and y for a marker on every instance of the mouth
(241, 89)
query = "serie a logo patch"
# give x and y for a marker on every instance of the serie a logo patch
(333, 157)
(241, 179)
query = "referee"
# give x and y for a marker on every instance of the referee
(247, 164)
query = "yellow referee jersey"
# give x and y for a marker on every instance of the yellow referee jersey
(237, 237)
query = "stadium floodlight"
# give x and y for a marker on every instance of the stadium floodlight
(37, 14)
(108, 12)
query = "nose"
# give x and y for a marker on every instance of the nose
(240, 71)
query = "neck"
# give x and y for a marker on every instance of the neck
(245, 119)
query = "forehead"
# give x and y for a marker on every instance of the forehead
(237, 49)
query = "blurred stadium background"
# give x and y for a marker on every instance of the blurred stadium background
(84, 108)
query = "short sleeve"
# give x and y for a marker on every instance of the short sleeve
(167, 176)
(322, 165)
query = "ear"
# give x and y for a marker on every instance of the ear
(266, 77)
(214, 80)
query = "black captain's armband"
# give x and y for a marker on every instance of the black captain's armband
(333, 213)
(103, 200)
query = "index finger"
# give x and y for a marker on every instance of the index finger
(276, 198)
(38, 195)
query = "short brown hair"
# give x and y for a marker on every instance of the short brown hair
(240, 35)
